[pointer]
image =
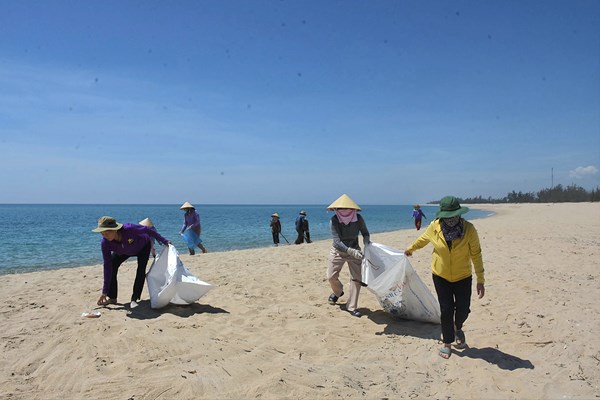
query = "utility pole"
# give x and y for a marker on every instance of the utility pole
(552, 179)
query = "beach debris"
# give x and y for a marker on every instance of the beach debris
(91, 314)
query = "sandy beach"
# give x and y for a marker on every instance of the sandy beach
(266, 331)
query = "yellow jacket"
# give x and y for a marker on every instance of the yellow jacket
(452, 265)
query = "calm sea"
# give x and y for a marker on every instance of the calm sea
(37, 237)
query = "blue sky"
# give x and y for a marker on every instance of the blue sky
(296, 102)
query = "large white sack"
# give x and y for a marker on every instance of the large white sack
(169, 281)
(398, 288)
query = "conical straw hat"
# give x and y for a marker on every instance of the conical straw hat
(186, 205)
(344, 201)
(146, 222)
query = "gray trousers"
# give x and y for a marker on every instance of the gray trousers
(336, 261)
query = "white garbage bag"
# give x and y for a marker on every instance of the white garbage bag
(398, 288)
(169, 281)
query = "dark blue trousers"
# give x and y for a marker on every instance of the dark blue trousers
(140, 275)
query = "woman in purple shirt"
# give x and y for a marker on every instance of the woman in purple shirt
(119, 242)
(418, 214)
(191, 228)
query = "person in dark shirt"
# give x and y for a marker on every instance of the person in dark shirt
(119, 242)
(275, 228)
(302, 228)
(346, 224)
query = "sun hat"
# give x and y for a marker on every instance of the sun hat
(275, 215)
(107, 224)
(186, 205)
(147, 222)
(302, 212)
(417, 206)
(344, 201)
(449, 207)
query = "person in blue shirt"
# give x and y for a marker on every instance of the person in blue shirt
(302, 228)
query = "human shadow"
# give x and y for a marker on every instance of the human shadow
(402, 327)
(144, 311)
(495, 356)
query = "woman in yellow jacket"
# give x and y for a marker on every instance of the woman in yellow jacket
(456, 251)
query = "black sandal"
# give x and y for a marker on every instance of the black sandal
(333, 298)
(461, 341)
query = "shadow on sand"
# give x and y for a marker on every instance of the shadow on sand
(426, 330)
(402, 327)
(495, 356)
(144, 311)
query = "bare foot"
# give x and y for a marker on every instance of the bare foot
(445, 352)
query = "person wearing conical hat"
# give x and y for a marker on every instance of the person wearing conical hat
(148, 222)
(418, 215)
(191, 229)
(345, 226)
(119, 242)
(275, 228)
(302, 228)
(456, 252)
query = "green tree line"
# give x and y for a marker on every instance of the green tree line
(557, 194)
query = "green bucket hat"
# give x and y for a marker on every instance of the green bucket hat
(107, 224)
(449, 207)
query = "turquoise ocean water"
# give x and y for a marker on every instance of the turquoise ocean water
(37, 237)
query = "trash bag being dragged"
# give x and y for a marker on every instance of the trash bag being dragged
(169, 281)
(398, 288)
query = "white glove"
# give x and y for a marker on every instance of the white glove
(355, 253)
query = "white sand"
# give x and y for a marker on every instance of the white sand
(267, 331)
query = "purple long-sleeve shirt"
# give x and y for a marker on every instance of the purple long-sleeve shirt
(133, 239)
(192, 221)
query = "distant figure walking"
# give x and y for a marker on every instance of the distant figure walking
(191, 229)
(417, 214)
(302, 228)
(275, 228)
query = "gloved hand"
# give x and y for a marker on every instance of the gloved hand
(355, 253)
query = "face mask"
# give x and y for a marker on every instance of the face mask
(452, 221)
